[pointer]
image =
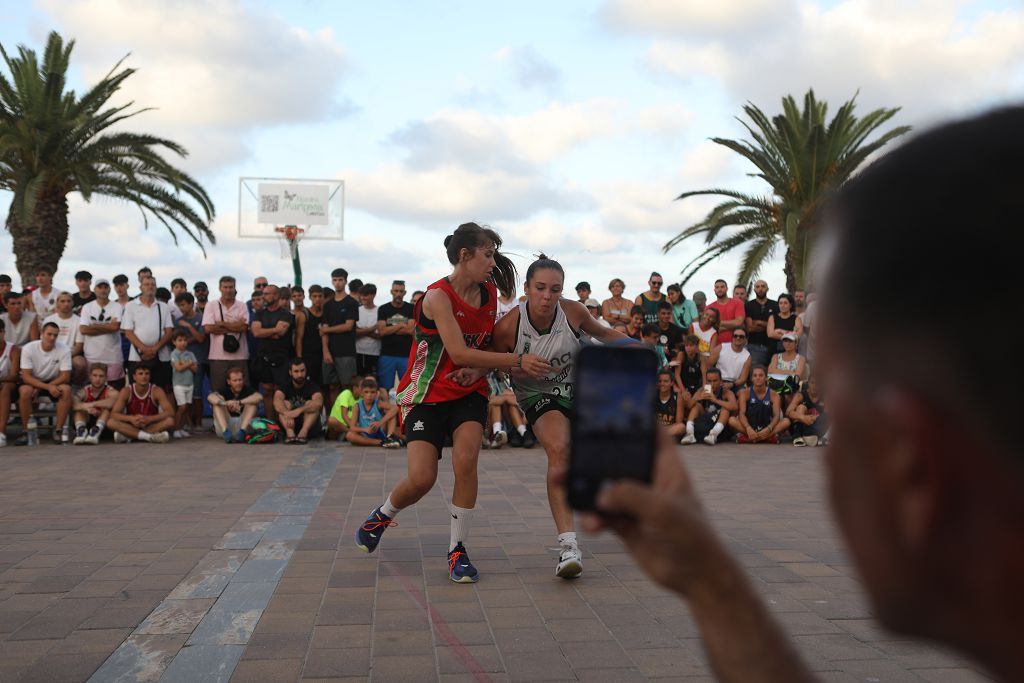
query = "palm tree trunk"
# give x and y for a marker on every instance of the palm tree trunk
(790, 269)
(40, 241)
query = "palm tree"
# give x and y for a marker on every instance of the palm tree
(801, 157)
(53, 143)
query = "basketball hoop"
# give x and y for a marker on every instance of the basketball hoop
(289, 237)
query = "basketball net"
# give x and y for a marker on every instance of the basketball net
(289, 236)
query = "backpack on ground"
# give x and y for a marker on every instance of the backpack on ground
(262, 430)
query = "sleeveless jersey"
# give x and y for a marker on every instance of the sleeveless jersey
(704, 345)
(311, 345)
(713, 409)
(426, 380)
(366, 416)
(92, 394)
(666, 410)
(559, 346)
(759, 410)
(690, 373)
(650, 307)
(142, 405)
(5, 363)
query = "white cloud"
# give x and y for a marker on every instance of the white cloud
(530, 68)
(695, 17)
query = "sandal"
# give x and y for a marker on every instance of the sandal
(300, 440)
(289, 440)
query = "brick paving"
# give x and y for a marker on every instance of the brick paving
(200, 561)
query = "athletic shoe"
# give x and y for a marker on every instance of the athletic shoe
(391, 442)
(228, 436)
(80, 436)
(121, 438)
(22, 440)
(3, 439)
(368, 535)
(460, 569)
(160, 437)
(689, 438)
(810, 440)
(186, 433)
(742, 438)
(485, 443)
(529, 440)
(570, 562)
(711, 439)
(774, 438)
(240, 436)
(93, 438)
(178, 434)
(799, 442)
(515, 439)
(499, 440)
(65, 436)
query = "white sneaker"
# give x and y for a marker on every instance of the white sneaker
(570, 562)
(811, 440)
(485, 443)
(186, 434)
(689, 438)
(93, 438)
(80, 435)
(499, 440)
(121, 438)
(799, 442)
(178, 434)
(160, 437)
(3, 439)
(711, 439)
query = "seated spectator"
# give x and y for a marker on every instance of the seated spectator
(184, 368)
(68, 335)
(669, 334)
(298, 404)
(684, 311)
(99, 323)
(634, 327)
(787, 369)
(786, 320)
(368, 345)
(671, 407)
(46, 368)
(341, 417)
(141, 411)
(22, 326)
(234, 406)
(83, 281)
(10, 369)
(43, 300)
(594, 306)
(190, 322)
(710, 410)
(583, 292)
(734, 361)
(374, 419)
(706, 331)
(92, 406)
(503, 409)
(617, 309)
(651, 336)
(272, 326)
(807, 414)
(690, 366)
(760, 418)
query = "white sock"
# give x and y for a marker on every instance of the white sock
(521, 429)
(79, 424)
(100, 424)
(689, 428)
(568, 538)
(496, 428)
(144, 436)
(461, 517)
(389, 509)
(717, 429)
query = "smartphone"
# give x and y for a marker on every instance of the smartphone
(613, 421)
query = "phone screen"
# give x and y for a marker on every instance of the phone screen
(613, 420)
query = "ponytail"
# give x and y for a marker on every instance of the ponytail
(471, 236)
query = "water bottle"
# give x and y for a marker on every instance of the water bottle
(33, 432)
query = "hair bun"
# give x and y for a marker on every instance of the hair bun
(447, 240)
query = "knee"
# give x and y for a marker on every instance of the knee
(422, 482)
(25, 391)
(464, 466)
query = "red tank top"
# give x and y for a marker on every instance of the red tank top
(426, 380)
(142, 405)
(92, 395)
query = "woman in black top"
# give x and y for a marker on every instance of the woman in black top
(786, 320)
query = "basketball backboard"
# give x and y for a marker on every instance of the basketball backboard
(316, 206)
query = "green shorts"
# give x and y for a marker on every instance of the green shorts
(538, 404)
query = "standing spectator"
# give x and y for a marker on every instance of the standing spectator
(184, 368)
(44, 296)
(739, 292)
(416, 296)
(121, 288)
(683, 310)
(807, 413)
(46, 367)
(67, 325)
(650, 299)
(784, 321)
(616, 308)
(22, 326)
(5, 287)
(735, 361)
(148, 326)
(178, 286)
(799, 301)
(396, 326)
(201, 291)
(190, 322)
(583, 292)
(10, 370)
(670, 408)
(787, 368)
(92, 405)
(353, 288)
(731, 312)
(339, 335)
(144, 272)
(308, 345)
(368, 347)
(298, 405)
(100, 326)
(234, 406)
(272, 326)
(758, 312)
(142, 410)
(259, 282)
(700, 300)
(227, 318)
(706, 331)
(669, 334)
(83, 281)
(760, 418)
(709, 410)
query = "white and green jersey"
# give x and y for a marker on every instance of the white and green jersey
(559, 346)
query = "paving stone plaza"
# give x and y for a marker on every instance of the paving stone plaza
(198, 561)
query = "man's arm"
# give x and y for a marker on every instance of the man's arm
(745, 372)
(314, 404)
(300, 332)
(63, 378)
(15, 368)
(279, 405)
(160, 396)
(33, 329)
(255, 399)
(340, 327)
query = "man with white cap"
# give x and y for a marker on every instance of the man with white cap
(100, 327)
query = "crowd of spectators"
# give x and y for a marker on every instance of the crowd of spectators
(150, 365)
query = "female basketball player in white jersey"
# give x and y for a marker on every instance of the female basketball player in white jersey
(549, 326)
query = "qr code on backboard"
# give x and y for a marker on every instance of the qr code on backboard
(269, 203)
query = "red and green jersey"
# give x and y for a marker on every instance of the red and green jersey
(426, 380)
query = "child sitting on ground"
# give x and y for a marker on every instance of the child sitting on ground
(374, 418)
(92, 406)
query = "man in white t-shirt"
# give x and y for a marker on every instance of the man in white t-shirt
(367, 336)
(100, 327)
(68, 335)
(44, 297)
(46, 367)
(148, 325)
(734, 361)
(22, 325)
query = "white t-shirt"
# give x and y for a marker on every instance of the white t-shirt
(102, 348)
(68, 329)
(731, 363)
(367, 345)
(149, 323)
(45, 305)
(18, 333)
(45, 365)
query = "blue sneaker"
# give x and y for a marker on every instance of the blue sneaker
(228, 436)
(460, 569)
(368, 535)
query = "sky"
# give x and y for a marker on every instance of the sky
(569, 127)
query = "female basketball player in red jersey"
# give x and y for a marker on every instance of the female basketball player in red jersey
(454, 322)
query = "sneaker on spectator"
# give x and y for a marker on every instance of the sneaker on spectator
(240, 436)
(186, 433)
(485, 443)
(65, 436)
(774, 438)
(93, 437)
(160, 437)
(391, 442)
(799, 442)
(80, 435)
(178, 434)
(809, 440)
(22, 440)
(742, 438)
(529, 440)
(688, 438)
(515, 439)
(3, 439)
(499, 440)
(121, 438)
(712, 439)
(228, 436)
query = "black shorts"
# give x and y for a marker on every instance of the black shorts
(432, 422)
(271, 370)
(545, 404)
